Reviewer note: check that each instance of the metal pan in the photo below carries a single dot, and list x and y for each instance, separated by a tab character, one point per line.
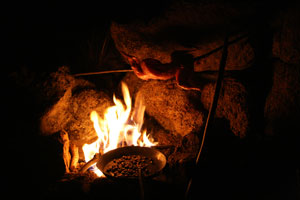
158	158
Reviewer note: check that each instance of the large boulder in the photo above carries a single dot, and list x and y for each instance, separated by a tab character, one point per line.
172	107
232	105
77	98
196	28
184	111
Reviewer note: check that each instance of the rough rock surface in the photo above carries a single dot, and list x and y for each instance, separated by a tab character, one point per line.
133	82
80	127
171	106
196	28
282	108
232	105
184	111
286	43
240	56
59	82
72	111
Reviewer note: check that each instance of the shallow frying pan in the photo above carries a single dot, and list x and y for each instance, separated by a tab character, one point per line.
158	158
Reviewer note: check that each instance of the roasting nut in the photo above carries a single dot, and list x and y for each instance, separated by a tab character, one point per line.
128	166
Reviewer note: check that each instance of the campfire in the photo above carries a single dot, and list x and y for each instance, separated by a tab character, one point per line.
149	85
121	126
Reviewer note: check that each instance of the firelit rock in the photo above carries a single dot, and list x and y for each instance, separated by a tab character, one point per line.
57	115
80	127
196	28
133	82
232	104
282	108
72	111
56	86
172	107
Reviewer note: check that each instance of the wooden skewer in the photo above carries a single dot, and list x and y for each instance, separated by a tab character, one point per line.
104	72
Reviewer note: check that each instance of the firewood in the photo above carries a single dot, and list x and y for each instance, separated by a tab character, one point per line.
75	157
66	145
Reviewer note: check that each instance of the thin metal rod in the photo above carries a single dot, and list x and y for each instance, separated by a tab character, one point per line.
103	72
212	109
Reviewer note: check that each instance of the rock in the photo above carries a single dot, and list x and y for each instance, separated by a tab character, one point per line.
240	56
80	127
172	107
282	107
196	28
133	83
59	82
286	40
232	104
57	116
77	98
181	111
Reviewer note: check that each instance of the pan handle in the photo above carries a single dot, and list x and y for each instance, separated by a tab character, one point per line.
90	163
142	195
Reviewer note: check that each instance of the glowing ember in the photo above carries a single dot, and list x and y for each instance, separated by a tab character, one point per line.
120	127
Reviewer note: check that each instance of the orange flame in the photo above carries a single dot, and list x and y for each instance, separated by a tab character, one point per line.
118	128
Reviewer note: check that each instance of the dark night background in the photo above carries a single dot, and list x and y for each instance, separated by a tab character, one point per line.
37	38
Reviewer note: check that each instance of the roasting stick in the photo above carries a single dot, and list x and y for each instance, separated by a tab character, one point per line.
104	72
212	109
